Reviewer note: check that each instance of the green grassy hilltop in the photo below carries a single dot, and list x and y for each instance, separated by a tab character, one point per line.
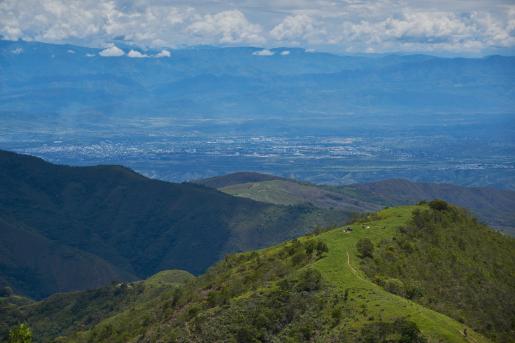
328	286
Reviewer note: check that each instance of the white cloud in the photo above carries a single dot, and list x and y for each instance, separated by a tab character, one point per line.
414	30
163	53
17	51
285	53
226	27
112	51
300	27
70	51
340	25
90	55
136	54
264	52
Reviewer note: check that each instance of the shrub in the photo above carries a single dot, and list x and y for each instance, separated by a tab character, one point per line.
409	332
310	280
310	246
20	334
365	247
439	205
321	247
395	286
390	332
299	257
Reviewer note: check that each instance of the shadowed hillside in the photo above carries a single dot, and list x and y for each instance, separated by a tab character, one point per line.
67	228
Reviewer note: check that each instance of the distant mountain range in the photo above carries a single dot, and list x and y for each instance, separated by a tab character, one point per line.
493	206
66	81
67	228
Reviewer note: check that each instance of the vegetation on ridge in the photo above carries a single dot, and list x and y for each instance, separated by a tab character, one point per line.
444	259
323	288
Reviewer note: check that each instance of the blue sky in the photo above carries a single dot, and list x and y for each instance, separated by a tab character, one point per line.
459	27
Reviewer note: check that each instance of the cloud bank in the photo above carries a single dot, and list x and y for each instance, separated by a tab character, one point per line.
460	27
112	51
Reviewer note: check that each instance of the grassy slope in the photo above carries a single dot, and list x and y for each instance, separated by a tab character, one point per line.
449	262
192	318
338	271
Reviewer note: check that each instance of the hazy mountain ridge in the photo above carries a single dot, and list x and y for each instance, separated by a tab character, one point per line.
317	82
494	206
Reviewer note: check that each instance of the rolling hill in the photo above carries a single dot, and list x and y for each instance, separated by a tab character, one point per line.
324	288
69	228
493	206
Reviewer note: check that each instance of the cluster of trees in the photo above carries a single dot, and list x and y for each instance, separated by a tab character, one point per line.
365	247
406	331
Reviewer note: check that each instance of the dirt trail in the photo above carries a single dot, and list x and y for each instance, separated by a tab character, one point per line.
354	271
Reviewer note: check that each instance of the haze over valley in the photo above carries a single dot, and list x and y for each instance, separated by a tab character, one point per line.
207	111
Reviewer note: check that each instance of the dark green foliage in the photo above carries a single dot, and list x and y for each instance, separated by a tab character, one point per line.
97	224
446	260
6	292
322	248
301	252
309	280
64	313
392	285
365	247
20	334
399	331
438	205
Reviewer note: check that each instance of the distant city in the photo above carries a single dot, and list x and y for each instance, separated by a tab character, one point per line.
189	153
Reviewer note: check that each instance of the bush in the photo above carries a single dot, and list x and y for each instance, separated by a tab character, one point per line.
299	257
310	280
401	331
395	286
439	205
20	334
365	247
409	332
310	246
321	247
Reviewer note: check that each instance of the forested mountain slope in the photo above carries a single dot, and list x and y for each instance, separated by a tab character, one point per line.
67	228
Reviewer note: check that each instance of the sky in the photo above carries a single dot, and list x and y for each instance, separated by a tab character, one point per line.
459	27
